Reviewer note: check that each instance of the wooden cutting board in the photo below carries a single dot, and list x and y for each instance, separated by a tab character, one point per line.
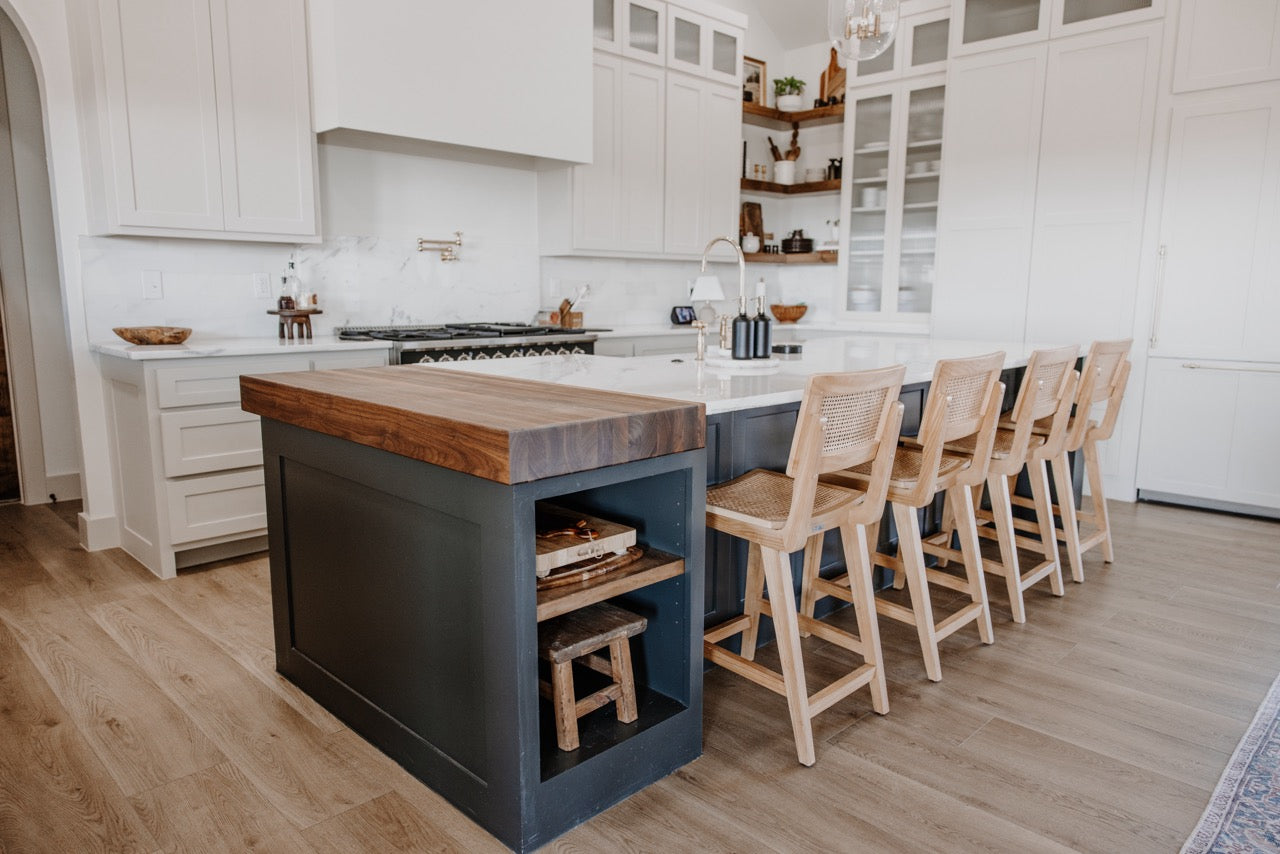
564	549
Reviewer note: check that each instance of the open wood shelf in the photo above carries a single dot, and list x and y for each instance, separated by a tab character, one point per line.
750	185
655	566
826	256
755	114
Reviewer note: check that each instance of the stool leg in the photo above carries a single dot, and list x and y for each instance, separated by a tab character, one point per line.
857	557
912	556
281	328
1093	468
751	601
565	705
1002	512
782	602
1038	474
812	563
620	659
1067	509
947	524
967	528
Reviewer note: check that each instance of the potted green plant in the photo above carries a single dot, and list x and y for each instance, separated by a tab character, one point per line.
788	93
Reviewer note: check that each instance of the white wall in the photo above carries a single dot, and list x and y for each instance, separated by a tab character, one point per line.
52	402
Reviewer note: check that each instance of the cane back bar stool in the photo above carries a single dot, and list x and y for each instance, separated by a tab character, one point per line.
1045	397
1102	380
964	400
844	420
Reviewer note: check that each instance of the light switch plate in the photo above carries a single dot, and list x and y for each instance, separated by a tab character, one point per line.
261	286
152	284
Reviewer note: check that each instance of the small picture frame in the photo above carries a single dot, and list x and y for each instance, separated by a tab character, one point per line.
683	315
753	79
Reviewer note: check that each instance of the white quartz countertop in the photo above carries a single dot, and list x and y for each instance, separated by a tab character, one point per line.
658	329
196	347
681	377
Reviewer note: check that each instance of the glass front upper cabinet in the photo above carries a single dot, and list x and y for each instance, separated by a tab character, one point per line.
918	232
919	48
869	199
990	24
644	30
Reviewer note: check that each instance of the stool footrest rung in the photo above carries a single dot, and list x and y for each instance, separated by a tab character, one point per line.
734	663
831	634
956	621
1036	573
727	629
951	582
822	700
894	611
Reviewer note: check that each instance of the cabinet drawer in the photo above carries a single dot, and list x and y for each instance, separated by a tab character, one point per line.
216	506
206	440
196	385
358	359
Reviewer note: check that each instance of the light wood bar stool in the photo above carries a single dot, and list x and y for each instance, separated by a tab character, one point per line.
1045	397
576	636
1102	381
844	420
964	400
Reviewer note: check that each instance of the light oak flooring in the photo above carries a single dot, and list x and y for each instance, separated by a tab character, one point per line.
140	715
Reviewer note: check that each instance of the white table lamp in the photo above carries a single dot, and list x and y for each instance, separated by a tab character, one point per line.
706	290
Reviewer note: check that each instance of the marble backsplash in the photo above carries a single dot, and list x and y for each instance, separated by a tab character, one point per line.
208	285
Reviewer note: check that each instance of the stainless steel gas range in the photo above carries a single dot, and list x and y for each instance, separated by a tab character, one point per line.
462	342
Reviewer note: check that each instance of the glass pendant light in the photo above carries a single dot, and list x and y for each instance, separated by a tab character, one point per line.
862	29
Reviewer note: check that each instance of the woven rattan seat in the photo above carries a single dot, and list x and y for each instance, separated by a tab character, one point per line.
963	403
844	420
766	496
1001	450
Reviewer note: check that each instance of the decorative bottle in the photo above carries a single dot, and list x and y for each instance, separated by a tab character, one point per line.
743	345
761	328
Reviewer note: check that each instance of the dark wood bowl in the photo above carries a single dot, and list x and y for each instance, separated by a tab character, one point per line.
788	313
153	334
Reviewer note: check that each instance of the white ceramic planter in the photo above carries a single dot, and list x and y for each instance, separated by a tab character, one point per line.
790	103
784	172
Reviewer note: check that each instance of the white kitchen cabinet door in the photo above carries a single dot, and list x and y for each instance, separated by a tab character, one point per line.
1091	194
264	116
1207	433
1218	229
595	185
161	115
606	24
644	30
1075	17
703	139
987	197
1226	43
983	25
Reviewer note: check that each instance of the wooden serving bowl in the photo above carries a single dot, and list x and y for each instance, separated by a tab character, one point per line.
788	313
153	334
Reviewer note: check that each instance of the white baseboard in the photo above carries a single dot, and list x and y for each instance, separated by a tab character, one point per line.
65	486
99	533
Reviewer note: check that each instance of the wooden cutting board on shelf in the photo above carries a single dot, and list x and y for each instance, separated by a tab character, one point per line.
562	539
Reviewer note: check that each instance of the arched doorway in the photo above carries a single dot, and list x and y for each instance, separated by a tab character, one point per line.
38	442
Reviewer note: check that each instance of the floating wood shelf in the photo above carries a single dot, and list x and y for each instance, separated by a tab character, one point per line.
826	256
752	186
655	566
755	114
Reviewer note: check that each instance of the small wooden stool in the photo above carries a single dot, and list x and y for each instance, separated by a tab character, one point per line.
576	635
295	318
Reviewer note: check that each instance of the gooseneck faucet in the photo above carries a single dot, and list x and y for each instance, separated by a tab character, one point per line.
742	269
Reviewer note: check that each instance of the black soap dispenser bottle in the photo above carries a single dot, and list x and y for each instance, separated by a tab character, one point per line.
761	328
743	345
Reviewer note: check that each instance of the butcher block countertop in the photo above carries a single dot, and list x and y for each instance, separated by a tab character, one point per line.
499	428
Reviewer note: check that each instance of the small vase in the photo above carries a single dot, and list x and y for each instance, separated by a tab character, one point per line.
784	172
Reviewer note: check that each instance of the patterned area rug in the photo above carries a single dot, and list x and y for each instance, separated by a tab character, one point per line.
1244	813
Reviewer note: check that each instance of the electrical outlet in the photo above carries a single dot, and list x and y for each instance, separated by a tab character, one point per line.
261	286
152	284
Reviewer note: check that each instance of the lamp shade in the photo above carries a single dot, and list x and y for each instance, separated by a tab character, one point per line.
706	287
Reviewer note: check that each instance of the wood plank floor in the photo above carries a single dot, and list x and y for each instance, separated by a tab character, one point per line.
140	715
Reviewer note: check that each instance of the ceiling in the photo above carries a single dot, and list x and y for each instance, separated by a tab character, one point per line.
795	23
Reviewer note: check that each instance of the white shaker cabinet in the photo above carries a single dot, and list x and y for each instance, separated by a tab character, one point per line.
988	193
1208	434
188	459
204	117
1218	288
703	134
1226	43
1095	155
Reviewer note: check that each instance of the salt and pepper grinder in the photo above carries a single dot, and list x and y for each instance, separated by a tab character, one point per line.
761	328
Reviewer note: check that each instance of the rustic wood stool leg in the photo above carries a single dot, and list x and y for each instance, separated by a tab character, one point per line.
782	602
857	557
281	327
565	705
1067	510
946	525
1093	468
1038	473
911	554
966	527
812	563
620	658
1002	512
751	601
